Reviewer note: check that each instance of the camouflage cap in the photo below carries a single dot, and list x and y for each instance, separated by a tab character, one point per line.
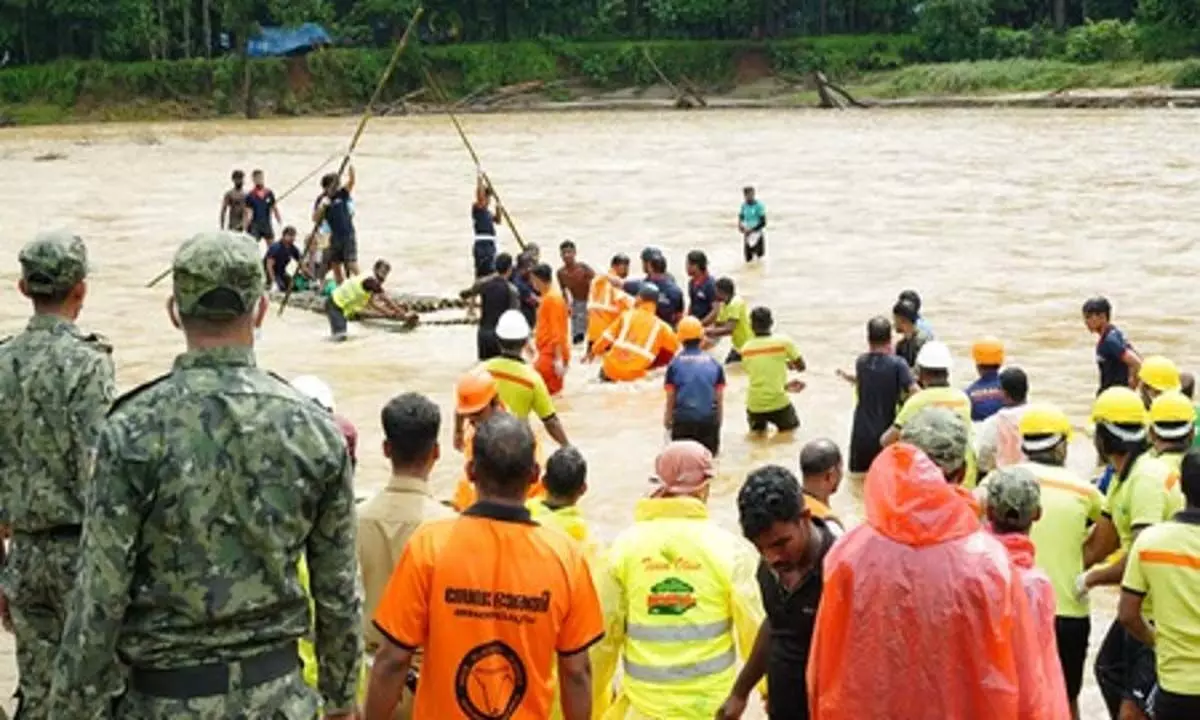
217	275
941	434
53	262
1013	495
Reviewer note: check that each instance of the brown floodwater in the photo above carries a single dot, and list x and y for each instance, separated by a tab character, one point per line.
1004	221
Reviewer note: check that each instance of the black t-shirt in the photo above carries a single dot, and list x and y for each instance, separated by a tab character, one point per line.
909	347
1110	353
282	255
882	379
793	616
341	225
496	295
260	203
485	224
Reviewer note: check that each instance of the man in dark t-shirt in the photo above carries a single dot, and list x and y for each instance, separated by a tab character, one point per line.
1117	360
702	289
279	256
882	380
497	295
793	545
260	208
333	207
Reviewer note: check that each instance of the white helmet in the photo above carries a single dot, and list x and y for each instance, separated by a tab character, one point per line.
315	388
935	355
512	326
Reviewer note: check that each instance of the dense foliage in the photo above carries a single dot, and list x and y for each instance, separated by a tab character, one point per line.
37	31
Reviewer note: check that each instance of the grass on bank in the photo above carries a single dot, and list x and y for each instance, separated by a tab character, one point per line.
993	77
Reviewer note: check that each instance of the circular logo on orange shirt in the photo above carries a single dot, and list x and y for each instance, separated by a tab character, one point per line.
490	682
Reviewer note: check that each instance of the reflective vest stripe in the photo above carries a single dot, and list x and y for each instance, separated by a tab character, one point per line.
678	633
607	300
643	351
675	673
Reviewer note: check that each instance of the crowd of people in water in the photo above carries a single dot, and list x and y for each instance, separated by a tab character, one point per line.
193	548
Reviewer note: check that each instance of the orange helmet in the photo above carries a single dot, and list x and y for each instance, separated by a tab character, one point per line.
988	351
690	329
475	391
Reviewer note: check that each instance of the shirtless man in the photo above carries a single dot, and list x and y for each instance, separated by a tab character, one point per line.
575	279
233	205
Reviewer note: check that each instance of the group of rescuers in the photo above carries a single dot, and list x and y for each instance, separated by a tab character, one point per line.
175	552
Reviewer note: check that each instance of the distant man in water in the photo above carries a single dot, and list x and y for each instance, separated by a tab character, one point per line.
279	256
1118	361
260	208
497	294
334	207
752	223
484	220
575	279
233	205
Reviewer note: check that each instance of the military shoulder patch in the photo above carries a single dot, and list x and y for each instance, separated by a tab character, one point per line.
99	342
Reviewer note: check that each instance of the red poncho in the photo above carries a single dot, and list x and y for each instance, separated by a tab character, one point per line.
921	611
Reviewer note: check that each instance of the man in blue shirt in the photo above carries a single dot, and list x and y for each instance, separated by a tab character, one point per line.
702	289
670	297
752	223
334	208
279	256
987	397
525	291
260	207
695	385
1118	361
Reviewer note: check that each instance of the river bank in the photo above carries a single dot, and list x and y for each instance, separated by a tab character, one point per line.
873	70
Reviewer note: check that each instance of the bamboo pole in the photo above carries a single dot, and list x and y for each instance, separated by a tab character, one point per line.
362	125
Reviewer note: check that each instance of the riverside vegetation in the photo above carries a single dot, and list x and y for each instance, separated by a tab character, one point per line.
154	58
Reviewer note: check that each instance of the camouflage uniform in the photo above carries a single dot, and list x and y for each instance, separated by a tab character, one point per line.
56	384
210	483
1013	494
941	434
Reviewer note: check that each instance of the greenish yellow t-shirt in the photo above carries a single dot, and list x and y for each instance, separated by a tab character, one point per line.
955	400
1143	498
1164	564
520	388
1068	505
766	362
1175	499
737	311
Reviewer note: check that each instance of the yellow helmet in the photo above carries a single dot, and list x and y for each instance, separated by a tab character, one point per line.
1044	419
1119	406
1159	373
1172	409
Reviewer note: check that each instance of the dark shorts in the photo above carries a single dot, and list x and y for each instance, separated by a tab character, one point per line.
758	249
783	419
705	432
487	345
342	250
1072	636
1125	670
484	252
261	231
1173	706
337	320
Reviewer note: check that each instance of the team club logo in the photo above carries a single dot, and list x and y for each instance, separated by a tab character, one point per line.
490	682
670	597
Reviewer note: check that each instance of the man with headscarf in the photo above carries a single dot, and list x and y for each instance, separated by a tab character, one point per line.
681	589
922	547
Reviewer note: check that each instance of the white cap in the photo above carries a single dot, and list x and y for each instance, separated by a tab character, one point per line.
512	326
935	355
315	388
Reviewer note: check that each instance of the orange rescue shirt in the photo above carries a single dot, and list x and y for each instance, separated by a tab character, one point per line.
491	597
606	301
637	338
552	328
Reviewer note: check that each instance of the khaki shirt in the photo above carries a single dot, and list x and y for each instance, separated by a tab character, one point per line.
385	523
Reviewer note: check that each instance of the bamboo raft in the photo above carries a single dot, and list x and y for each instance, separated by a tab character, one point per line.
433	310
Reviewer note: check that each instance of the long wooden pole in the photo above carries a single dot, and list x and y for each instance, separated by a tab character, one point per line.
437	89
362	125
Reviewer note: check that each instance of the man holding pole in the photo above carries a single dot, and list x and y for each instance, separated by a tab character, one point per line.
485	222
334	208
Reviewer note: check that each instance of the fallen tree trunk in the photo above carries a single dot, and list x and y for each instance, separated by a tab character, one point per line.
834	96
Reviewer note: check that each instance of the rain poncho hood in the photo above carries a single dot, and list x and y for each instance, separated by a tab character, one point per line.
921	608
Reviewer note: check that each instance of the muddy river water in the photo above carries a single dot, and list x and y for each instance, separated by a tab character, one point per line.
1004	221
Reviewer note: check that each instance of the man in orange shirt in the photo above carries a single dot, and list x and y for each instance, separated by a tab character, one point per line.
639	340
607	298
491	597
551	336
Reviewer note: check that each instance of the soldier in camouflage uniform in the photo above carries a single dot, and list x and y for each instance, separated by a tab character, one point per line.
210	483
56	384
942	435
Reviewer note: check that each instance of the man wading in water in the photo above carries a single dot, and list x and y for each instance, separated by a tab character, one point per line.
233	205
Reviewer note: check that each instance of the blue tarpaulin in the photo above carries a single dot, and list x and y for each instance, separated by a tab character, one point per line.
277	41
